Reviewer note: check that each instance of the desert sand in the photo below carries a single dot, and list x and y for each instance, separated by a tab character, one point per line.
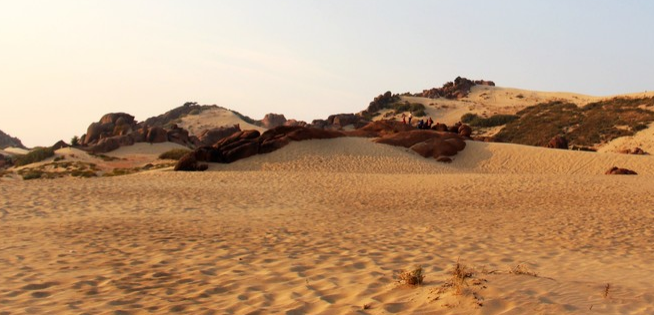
324	226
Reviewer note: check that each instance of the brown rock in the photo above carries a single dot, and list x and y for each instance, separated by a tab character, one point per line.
465	131
273	120
189	163
558	142
156	135
380	128
427	143
211	136
444	159
620	171
60	144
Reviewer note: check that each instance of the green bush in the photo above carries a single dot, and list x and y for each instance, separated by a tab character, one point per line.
36	155
174	154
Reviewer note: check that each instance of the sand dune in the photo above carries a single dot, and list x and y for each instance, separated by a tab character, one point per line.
322	227
213	118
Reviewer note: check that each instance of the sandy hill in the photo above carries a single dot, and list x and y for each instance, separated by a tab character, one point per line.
213	118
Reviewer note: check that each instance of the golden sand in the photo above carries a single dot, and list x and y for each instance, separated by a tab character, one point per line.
323	227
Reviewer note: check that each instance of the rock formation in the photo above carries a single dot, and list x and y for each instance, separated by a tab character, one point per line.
273	120
634	151
247	143
427	143
454	90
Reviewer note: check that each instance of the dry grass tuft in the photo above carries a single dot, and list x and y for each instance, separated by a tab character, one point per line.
606	290
411	277
458	282
367	306
521	269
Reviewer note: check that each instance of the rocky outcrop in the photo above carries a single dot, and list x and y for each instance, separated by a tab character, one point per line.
558	142
110	125
273	120
460	88
60	145
380	102
7	141
247	143
620	171
211	136
341	120
427	143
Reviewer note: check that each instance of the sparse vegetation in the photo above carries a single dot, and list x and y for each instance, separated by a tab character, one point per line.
595	123
106	158
606	290
475	120
521	269
32	174
416	109
34	156
458	282
411	277
74	141
174	154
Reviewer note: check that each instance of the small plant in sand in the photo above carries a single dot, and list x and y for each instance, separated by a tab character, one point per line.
411	277
459	275
606	290
521	269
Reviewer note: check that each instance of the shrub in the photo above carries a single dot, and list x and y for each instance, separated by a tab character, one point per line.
411	277
475	120
32	174
34	156
174	154
74	141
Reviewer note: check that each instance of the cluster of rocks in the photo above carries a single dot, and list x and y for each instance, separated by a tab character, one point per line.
119	129
275	120
620	171
340	121
454	90
243	144
380	102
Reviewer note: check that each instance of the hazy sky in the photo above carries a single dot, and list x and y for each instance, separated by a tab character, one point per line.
65	63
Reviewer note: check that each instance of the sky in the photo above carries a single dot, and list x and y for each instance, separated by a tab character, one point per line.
65	63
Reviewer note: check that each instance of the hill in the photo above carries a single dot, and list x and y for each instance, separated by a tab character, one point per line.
7	141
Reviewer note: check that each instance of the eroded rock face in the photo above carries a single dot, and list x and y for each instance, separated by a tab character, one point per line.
620	171
273	120
558	142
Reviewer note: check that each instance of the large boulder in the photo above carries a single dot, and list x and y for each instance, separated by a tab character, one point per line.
189	163
465	131
211	136
558	142
117	119
111	143
156	135
110	125
179	135
273	120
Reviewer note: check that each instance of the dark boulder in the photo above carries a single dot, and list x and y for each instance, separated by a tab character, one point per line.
465	131
427	143
380	128
189	163
558	142
620	171
211	136
156	135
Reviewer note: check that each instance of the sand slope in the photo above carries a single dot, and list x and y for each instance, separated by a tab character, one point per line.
288	233
213	118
